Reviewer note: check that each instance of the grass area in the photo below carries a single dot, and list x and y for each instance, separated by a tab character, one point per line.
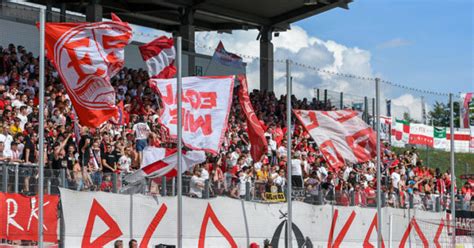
464	162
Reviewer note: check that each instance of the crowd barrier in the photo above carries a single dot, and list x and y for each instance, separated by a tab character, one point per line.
22	178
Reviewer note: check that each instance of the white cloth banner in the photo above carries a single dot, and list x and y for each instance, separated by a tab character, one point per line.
341	135
421	134
206	105
225	222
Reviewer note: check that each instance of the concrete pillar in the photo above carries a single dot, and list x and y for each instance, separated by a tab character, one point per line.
187	31
94	11
266	59
62	16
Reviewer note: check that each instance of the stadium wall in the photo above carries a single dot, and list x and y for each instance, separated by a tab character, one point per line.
225	222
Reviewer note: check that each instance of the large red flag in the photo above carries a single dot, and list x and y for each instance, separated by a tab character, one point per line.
254	128
159	56
86	56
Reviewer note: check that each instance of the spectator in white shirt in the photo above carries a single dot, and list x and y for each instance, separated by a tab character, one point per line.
296	170
196	184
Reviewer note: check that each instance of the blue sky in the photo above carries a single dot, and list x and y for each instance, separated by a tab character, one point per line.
426	44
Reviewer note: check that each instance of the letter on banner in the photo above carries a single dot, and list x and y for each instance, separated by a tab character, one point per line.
206	106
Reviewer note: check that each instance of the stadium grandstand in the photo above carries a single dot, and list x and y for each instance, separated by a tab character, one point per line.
230	198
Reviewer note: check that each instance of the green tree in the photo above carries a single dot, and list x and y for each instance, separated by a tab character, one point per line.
440	114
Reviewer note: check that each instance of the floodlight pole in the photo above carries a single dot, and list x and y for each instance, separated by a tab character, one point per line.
379	188
180	142
453	176
289	223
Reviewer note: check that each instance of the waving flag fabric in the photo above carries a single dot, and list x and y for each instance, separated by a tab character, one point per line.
206	106
226	58
341	135
256	133
159	56
86	56
158	162
466	99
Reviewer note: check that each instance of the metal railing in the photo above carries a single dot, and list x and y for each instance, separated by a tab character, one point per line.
23	178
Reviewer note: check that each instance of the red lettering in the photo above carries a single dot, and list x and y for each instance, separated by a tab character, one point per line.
168	99
111	234
413	223
194	98
204	123
367	244
208	100
209	214
153	225
438	234
342	233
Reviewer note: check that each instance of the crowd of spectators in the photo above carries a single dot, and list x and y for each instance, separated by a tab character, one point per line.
91	157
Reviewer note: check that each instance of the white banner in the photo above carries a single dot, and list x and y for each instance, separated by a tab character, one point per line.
206	105
341	135
421	134
224	222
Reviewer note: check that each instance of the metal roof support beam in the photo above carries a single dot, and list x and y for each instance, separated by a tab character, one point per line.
266	59
187	31
94	11
49	11
62	13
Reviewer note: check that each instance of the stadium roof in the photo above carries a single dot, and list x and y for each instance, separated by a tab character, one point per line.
217	15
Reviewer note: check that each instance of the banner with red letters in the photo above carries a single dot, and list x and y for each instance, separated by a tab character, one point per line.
341	135
86	56
206	106
224	222
19	217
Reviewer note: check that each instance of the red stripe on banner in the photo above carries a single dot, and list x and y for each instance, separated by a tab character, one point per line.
367	243
406	128
154	167
155	47
333	225
153	225
438	234
209	214
167	72
459	137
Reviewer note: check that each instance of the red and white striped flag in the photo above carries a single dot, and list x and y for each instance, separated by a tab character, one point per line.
159	56
158	162
341	135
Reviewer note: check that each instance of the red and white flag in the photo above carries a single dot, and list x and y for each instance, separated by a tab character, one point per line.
256	133
226	58
86	56
206	106
341	135
158	162
421	134
159	56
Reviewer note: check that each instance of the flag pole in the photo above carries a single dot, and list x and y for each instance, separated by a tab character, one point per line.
179	132
379	193
289	223
41	130
453	177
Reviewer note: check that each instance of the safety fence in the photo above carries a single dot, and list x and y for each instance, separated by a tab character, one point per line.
22	178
